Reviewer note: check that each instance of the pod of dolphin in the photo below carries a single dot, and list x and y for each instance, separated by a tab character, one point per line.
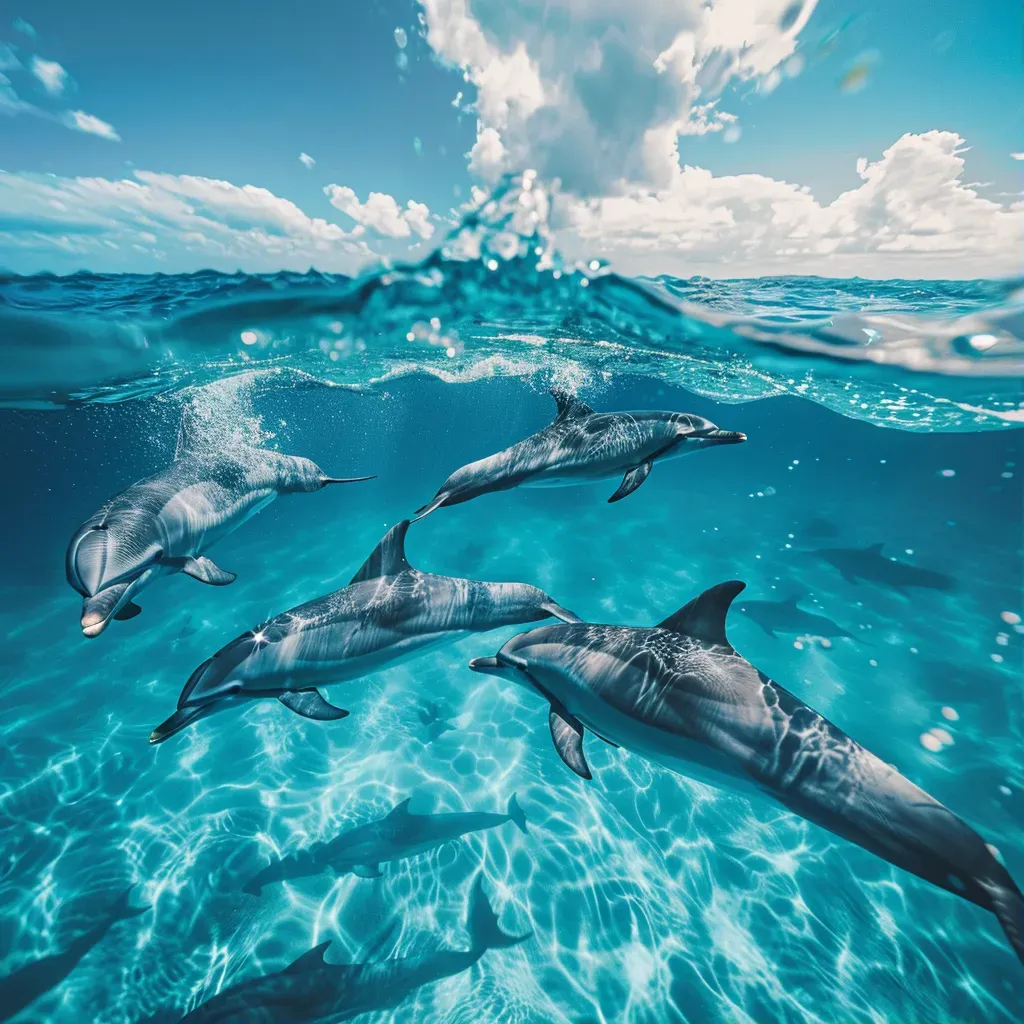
677	693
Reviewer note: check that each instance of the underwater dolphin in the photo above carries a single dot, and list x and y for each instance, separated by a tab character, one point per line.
433	721
680	695
399	835
37	977
163	524
313	990
388	613
787	617
856	564
581	446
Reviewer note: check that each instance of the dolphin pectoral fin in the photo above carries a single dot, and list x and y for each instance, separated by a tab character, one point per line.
632	480
560	613
311	704
205	571
129	611
567	732
366	870
436	502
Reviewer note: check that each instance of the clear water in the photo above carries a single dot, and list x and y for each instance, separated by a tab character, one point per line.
652	898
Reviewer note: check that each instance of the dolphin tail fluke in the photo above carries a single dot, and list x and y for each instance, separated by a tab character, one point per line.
1008	906
515	812
484	931
123	909
347	479
436	502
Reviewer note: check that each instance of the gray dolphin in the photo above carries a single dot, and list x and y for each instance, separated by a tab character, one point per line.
856	564
787	617
397	836
37	977
680	695
313	990
581	446
388	613
163	524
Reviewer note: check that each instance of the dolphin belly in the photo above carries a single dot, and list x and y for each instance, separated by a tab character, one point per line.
196	517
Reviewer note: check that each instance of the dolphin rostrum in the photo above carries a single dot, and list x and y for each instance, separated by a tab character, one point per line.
856	564
397	836
581	446
36	978
680	695
788	617
313	990
164	523
388	613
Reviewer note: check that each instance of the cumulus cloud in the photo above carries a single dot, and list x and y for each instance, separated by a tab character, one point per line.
307	161
175	221
596	93
55	80
381	213
911	215
83	122
52	76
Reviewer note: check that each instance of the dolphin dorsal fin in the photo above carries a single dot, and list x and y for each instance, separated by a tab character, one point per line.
704	617
400	810
388	557
309	960
875	549
192	433
569	405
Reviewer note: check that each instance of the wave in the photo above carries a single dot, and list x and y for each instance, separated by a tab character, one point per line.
497	299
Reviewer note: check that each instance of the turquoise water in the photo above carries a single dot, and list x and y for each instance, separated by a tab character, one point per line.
650	897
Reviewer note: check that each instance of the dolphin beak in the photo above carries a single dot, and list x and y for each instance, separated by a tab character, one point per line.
93	624
717	436
178	721
489	666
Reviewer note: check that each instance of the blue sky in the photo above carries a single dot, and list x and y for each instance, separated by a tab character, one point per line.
234	92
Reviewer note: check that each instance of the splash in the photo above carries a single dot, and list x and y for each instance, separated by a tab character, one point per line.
496	299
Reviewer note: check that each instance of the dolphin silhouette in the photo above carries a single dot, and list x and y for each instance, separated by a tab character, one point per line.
399	835
163	524
581	446
787	617
311	989
680	695
36	978
388	613
870	565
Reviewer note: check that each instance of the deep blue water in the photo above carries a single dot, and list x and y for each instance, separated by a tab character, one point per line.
651	898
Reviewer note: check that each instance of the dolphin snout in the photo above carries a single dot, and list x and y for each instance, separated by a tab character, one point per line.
717	436
498	665
179	720
93	623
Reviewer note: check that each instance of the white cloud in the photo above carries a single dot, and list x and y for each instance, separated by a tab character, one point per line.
910	216
174	221
307	161
1017	156
488	158
83	122
52	76
595	93
381	213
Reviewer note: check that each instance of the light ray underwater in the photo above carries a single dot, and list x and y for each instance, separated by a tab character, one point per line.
535	721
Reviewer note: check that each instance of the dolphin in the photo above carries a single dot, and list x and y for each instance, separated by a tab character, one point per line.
311	989
433	721
580	446
38	977
399	835
787	617
163	524
388	613
680	695
856	564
